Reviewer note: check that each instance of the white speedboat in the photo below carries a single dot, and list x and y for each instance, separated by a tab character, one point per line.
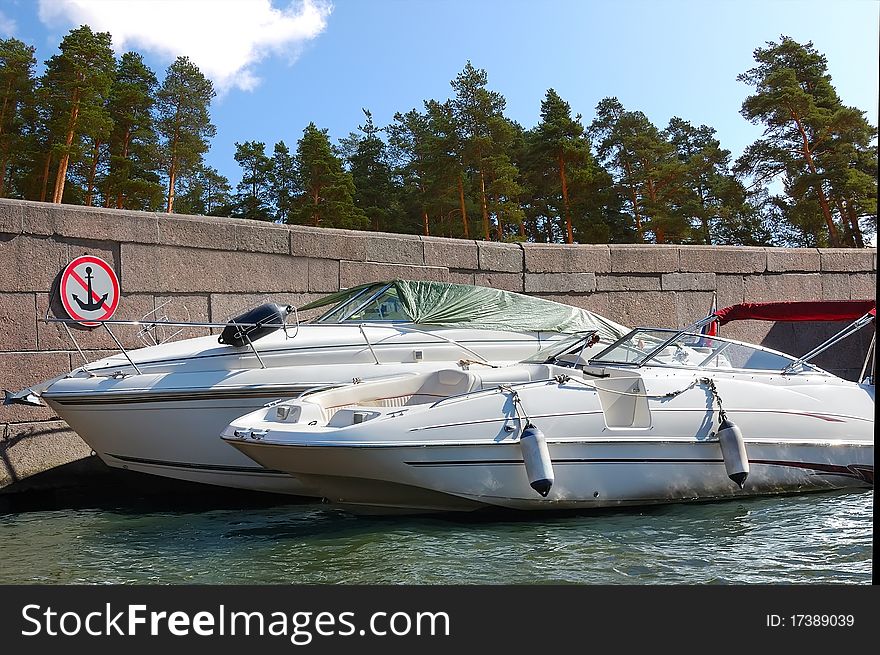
159	409
659	416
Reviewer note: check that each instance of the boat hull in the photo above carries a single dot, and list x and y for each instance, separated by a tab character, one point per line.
590	473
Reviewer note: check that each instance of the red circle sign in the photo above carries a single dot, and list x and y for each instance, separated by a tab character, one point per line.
89	290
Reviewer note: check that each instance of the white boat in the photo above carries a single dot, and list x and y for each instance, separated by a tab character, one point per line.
659	416
159	409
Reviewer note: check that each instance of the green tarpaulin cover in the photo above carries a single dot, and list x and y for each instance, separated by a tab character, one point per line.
463	305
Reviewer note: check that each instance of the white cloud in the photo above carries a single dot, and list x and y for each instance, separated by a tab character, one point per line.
224	38
7	25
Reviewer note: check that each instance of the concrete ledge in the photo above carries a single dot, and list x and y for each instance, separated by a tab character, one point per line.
792	259
723	259
323	243
848	260
644	259
397	249
228	234
11	217
557	258
451	253
30	448
503	257
91	223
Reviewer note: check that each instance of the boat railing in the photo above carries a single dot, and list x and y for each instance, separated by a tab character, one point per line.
149	325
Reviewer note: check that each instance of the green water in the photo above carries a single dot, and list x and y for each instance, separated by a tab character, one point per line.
818	538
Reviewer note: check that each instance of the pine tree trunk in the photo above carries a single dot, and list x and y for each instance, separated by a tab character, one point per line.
848	236
46	176
120	197
90	184
820	192
172	178
854	224
4	162
635	202
425	223
569	234
483	206
5	105
464	219
61	176
316	198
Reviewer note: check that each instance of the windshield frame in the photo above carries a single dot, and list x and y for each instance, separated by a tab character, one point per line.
559	347
649	357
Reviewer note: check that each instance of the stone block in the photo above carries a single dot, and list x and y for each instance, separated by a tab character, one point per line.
835	286
564	258
18	316
354	273
328	244
20	370
688	281
780	260
863	286
323	275
31	263
722	259
502	257
96	223
32	448
644	259
503	281
451	253
730	290
785	286
11	216
461	278
642	308
394	249
223	234
173	269
592	302
847	260
691	306
628	283
560	282
106	250
53	336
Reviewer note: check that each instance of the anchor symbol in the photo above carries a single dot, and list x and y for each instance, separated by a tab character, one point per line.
90	306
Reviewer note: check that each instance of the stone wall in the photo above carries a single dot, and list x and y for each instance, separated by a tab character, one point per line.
209	269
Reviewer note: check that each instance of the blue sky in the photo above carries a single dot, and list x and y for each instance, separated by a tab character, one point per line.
281	65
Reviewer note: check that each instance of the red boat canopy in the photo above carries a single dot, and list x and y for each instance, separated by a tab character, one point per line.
827	310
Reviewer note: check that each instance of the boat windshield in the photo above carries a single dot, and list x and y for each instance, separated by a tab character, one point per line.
659	347
573	344
376	303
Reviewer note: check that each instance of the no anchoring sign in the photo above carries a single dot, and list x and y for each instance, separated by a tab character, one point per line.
89	290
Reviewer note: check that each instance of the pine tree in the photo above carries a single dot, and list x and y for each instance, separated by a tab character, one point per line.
16	94
254	190
132	180
205	191
809	138
184	122
326	190
282	182
76	86
367	159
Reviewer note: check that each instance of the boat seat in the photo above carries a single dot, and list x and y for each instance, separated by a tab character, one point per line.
442	384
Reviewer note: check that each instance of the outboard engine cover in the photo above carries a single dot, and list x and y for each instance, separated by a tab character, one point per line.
733	450
264	320
536	456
